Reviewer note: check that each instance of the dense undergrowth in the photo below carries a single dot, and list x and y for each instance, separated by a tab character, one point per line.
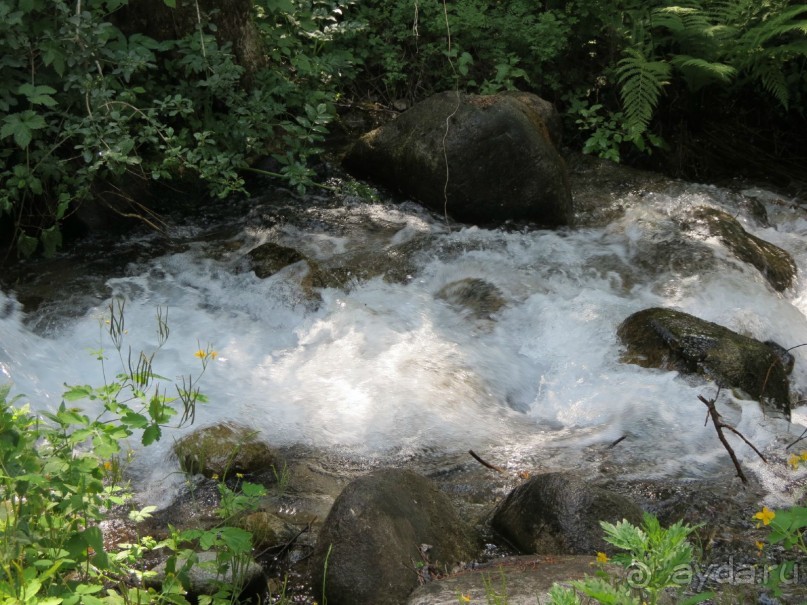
94	109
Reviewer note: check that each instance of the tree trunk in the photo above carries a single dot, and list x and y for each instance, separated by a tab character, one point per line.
233	20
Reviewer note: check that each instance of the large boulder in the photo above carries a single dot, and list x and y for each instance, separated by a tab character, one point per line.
485	159
383	528
776	265
674	340
558	513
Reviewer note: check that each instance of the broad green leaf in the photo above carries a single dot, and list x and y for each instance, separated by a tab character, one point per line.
151	434
51	240
78	392
237	540
21	126
26	245
38	95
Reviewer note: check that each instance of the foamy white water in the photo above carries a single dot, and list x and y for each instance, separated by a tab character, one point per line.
389	369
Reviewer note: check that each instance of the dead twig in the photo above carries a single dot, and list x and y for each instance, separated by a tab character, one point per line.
486	464
719	426
616	442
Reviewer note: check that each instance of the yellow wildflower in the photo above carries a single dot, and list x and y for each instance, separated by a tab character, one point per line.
602	557
107	465
201	354
213	354
766	515
465	598
803	456
215	477
793	460
760	545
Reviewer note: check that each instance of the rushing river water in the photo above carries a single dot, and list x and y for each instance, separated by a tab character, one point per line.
386	365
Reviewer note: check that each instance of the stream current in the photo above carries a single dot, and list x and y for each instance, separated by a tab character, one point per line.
383	365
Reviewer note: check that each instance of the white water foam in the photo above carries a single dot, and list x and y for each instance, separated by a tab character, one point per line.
389	369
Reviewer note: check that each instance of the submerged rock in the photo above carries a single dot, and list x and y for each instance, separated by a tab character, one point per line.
500	150
269	258
268	530
225	449
776	265
383	528
475	296
558	513
673	340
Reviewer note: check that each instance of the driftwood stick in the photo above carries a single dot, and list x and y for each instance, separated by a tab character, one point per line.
486	464
719	426
801	438
741	436
710	404
616	442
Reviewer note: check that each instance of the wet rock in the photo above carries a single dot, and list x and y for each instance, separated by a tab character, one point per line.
476	296
203	574
776	265
269	258
503	164
673	340
522	580
268	530
225	450
382	529
558	513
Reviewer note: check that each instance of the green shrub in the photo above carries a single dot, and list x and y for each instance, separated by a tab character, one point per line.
654	559
89	108
61	476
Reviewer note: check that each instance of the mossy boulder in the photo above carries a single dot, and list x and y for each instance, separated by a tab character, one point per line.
776	265
500	150
226	449
674	340
380	528
559	513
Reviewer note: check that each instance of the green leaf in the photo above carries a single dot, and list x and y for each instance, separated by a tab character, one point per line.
134	420
208	539
151	434
26	245
51	240
95	539
170	3
78	392
21	126
237	540
38	95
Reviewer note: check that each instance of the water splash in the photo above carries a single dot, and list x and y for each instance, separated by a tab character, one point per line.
385	367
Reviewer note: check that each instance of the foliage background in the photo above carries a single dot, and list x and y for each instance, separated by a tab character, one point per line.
97	106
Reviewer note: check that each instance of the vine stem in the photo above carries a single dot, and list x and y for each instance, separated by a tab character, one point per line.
451	115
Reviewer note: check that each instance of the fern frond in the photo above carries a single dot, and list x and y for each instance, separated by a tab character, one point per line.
641	82
699	72
668	19
779	25
728	12
774	82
